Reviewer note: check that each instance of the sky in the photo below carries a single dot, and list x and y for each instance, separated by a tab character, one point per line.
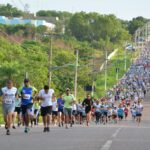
123	9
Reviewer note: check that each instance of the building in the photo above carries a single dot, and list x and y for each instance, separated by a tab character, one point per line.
20	21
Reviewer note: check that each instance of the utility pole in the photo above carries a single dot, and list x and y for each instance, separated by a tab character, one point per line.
76	74
93	75
106	55
117	68
125	59
50	52
26	75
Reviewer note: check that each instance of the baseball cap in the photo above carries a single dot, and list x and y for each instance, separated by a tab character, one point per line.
26	80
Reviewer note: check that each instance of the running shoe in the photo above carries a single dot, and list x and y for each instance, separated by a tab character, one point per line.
8	132
67	127
48	129
13	127
45	129
26	130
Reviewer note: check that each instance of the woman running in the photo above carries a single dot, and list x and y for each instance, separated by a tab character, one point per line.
88	103
139	109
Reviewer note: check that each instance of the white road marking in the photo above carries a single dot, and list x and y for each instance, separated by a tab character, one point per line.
116	133
107	145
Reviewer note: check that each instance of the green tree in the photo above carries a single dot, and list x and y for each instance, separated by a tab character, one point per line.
9	11
135	23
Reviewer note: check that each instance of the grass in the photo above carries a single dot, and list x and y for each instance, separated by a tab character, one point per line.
1	115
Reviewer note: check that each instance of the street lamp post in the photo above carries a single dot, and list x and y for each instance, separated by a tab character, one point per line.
76	74
106	55
117	67
125	60
50	52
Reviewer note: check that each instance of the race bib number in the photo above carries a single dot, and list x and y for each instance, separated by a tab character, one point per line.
26	96
8	100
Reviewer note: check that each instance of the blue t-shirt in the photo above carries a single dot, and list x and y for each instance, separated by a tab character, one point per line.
60	103
120	112
27	95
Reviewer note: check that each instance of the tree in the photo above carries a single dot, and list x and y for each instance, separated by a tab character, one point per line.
135	23
92	27
10	11
52	13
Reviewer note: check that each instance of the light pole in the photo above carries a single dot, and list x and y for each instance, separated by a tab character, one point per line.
125	60
26	75
117	68
50	52
76	74
106	55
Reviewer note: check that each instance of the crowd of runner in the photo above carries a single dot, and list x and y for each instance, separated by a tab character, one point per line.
27	104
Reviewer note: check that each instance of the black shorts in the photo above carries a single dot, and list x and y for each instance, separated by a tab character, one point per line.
74	112
18	110
87	109
61	110
54	113
105	113
25	108
35	111
46	110
139	115
79	113
120	116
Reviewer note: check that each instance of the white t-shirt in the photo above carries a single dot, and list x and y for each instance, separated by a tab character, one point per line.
74	107
97	107
79	107
9	95
139	108
47	98
55	106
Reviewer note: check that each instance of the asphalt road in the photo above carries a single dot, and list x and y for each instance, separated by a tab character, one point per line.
123	136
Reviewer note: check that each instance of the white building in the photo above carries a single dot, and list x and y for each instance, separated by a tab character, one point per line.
16	21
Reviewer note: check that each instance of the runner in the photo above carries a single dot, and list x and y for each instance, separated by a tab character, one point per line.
133	112
97	112
120	112
79	111
88	103
74	113
126	110
139	109
26	92
46	96
17	112
60	104
68	101
9	94
36	111
114	114
54	111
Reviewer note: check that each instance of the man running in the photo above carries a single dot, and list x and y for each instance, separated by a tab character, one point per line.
46	96
9	94
26	92
60	104
17	112
68	101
